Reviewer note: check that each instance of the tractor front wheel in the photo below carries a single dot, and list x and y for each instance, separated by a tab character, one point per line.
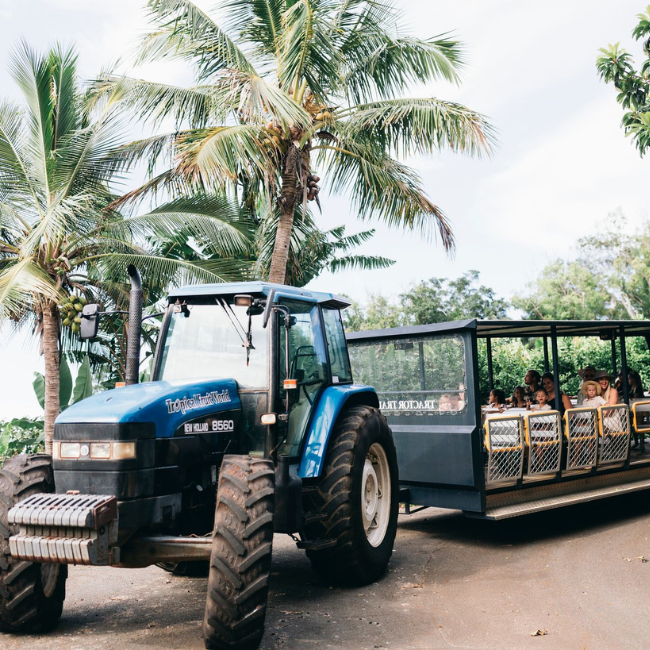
358	494
240	563
31	593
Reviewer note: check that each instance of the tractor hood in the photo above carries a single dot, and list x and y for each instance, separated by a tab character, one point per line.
167	404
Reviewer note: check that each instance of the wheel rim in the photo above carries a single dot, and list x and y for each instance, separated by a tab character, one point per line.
49	575
375	494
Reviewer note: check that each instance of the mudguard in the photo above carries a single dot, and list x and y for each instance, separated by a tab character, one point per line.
332	401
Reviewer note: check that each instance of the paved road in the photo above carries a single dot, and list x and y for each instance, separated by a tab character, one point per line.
575	574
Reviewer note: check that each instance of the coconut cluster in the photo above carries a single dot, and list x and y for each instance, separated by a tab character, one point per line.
71	312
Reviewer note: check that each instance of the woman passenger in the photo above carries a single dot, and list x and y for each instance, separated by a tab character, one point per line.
548	382
635	390
608	392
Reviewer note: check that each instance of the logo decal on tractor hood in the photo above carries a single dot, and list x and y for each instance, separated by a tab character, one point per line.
197	402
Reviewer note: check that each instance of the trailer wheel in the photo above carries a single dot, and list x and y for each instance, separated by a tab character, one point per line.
240	564
359	494
31	593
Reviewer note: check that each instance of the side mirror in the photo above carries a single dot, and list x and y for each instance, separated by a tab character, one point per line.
89	322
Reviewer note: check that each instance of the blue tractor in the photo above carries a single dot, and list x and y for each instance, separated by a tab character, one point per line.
251	426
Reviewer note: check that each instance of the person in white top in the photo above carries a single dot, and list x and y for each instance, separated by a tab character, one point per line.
591	391
542	402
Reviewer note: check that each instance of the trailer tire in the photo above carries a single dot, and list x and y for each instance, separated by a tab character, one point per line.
31	593
359	475
240	563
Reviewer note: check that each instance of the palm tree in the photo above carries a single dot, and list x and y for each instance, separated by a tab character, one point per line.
58	232
284	87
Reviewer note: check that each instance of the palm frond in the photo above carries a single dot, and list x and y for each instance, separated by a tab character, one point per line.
223	153
69	214
32	74
251	98
360	263
19	282
381	187
377	65
164	271
157	101
307	48
257	21
417	126
182	23
214	220
15	176
66	109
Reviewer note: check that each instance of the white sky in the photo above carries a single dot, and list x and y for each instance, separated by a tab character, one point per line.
561	166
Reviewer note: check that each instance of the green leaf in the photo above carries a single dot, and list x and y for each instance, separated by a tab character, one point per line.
39	388
65	384
84	385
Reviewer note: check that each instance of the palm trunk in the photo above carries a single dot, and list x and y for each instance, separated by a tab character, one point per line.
51	354
287	202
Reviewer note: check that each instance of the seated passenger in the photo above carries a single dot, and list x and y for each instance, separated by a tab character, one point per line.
561	405
591	394
542	402
497	399
445	403
635	390
607	391
518	400
533	381
588	373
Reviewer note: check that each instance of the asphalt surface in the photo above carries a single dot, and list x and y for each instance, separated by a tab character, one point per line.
576	575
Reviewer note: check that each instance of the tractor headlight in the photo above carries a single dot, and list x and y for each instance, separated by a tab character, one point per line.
100	450
123	450
70	450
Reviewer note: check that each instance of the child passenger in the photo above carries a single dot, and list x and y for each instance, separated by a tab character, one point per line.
542	402
591	391
497	399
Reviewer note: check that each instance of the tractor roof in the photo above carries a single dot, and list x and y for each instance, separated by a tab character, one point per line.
231	288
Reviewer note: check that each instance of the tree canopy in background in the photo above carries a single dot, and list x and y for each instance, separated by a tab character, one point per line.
616	66
608	279
432	301
284	88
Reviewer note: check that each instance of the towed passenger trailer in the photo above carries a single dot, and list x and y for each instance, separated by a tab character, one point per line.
510	464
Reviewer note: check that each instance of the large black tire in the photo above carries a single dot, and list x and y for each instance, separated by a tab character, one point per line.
360	437
31	594
240	564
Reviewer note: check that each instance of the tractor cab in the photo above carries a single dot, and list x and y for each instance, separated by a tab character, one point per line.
283	346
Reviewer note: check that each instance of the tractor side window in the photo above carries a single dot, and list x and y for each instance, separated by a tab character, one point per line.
307	364
336	346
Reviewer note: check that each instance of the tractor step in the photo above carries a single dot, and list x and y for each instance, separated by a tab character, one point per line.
316	544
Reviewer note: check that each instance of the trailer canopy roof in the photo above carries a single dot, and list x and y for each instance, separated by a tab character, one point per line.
605	329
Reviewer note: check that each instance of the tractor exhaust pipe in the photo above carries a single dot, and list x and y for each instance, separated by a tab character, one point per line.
135	327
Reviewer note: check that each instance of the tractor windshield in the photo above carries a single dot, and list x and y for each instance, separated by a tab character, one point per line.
205	341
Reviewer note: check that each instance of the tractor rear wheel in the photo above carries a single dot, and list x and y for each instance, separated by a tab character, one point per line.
31	593
359	495
240	564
